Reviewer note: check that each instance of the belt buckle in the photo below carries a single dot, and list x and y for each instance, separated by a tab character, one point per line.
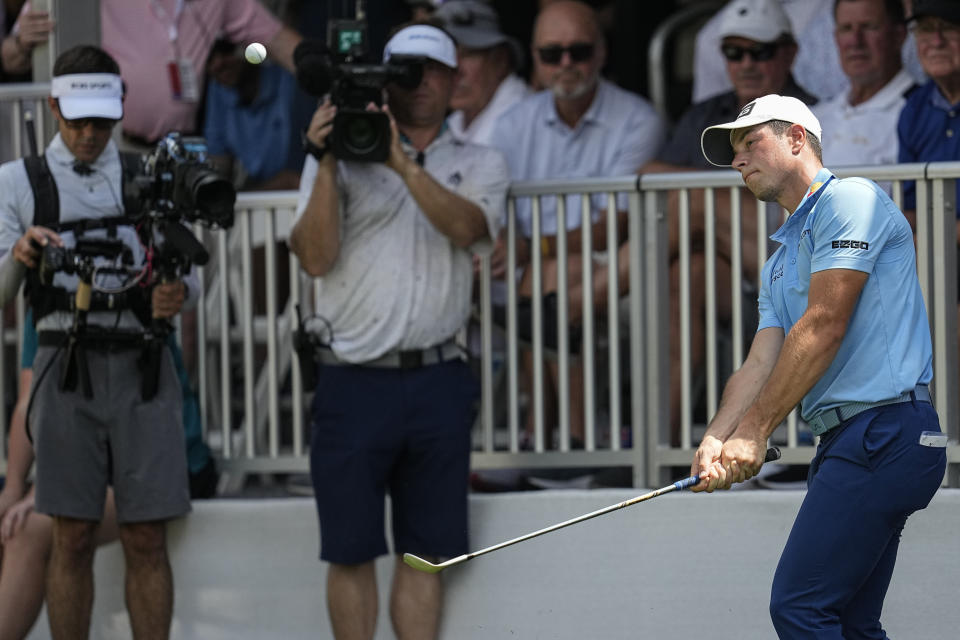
411	359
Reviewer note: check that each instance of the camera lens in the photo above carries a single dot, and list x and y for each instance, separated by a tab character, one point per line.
361	135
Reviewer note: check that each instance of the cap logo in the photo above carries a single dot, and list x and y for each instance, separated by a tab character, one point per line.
747	109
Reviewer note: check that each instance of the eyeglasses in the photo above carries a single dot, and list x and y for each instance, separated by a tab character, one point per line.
758	52
100	124
926	28
579	52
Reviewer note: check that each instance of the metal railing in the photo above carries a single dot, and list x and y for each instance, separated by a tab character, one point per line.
254	405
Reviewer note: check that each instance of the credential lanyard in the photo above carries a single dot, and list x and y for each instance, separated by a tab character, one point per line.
173	24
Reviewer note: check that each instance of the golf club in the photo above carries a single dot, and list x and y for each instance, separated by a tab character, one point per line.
773	453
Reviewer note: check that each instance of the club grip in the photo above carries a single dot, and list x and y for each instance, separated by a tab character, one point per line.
773	453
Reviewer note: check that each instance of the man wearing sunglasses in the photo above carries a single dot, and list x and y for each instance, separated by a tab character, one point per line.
98	429
580	126
758	48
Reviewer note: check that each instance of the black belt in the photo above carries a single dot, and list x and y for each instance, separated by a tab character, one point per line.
97	339
412	359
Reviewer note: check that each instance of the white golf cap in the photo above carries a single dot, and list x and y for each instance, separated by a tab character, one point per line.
758	20
89	95
425	41
715	140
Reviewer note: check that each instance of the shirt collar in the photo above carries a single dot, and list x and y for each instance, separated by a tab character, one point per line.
442	136
806	204
889	95
592	116
62	155
938	100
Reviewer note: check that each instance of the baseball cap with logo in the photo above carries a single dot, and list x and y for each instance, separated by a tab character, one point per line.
715	140
949	10
422	40
475	25
757	20
88	95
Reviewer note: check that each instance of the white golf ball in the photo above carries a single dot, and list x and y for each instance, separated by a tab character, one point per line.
255	53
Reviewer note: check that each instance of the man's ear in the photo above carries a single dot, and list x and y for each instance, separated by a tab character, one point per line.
54	107
798	137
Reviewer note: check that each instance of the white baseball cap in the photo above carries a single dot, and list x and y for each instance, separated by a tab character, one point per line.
89	95
757	20
425	41
715	140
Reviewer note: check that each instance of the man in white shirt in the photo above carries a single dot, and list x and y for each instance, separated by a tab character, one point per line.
860	125
487	83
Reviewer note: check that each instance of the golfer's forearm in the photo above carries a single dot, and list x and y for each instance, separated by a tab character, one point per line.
738	395
807	352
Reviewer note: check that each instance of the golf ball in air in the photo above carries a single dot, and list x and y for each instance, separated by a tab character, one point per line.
255	53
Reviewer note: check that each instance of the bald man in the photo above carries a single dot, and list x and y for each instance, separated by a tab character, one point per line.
579	126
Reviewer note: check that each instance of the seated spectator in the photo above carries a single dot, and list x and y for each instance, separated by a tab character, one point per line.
759	48
860	125
580	126
930	120
249	127
817	66
487	83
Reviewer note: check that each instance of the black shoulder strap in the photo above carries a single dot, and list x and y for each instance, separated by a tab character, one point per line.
131	165
46	197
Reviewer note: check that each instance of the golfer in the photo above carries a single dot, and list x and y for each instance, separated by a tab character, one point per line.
843	331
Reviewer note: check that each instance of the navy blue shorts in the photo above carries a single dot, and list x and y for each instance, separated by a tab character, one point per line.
868	476
406	432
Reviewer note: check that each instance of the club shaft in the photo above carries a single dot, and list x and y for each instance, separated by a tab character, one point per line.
773	453
578	519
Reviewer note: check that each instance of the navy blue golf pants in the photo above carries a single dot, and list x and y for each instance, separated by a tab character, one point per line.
868	476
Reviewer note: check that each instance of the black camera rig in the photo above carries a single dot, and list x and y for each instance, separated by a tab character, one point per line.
342	68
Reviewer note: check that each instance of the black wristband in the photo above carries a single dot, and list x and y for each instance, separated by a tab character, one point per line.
309	147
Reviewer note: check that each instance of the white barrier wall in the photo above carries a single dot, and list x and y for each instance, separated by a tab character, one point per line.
679	566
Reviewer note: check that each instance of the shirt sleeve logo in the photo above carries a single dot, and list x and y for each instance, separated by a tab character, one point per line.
862	245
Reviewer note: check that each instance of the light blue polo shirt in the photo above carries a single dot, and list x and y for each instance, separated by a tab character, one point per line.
853	224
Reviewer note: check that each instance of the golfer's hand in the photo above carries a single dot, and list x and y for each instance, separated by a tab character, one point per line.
742	458
706	464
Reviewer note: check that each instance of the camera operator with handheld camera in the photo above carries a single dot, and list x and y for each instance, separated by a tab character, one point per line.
106	404
390	240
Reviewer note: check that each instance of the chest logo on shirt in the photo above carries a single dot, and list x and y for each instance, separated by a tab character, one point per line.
850	244
777	274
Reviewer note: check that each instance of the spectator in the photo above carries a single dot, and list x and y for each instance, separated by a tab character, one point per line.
27	536
487	82
580	126
30	30
162	47
759	48
817	66
108	430
930	120
389	244
860	126
249	125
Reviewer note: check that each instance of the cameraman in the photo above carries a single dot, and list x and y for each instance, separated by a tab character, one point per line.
394	401
103	427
